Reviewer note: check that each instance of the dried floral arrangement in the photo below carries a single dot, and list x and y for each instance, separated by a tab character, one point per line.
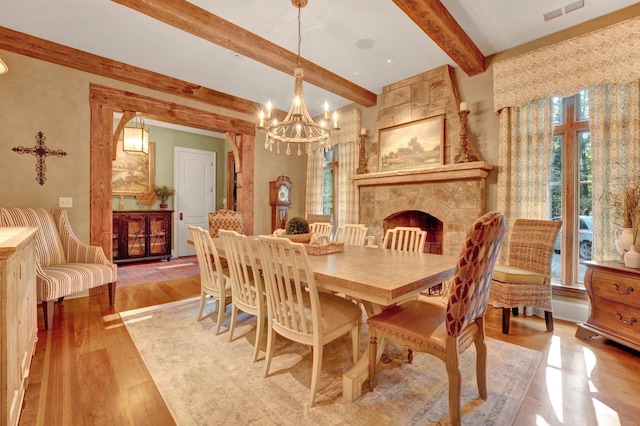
624	199
147	198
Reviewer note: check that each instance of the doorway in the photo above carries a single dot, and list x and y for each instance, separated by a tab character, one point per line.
195	183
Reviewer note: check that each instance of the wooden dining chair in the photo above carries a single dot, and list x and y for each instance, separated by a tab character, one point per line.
405	238
297	310
446	330
322	228
525	281
213	281
352	234
247	290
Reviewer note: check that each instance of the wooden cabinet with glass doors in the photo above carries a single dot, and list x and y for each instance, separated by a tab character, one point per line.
140	236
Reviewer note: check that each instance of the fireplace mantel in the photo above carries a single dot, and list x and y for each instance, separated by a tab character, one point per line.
448	172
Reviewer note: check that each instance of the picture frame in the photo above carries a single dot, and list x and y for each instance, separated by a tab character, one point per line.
133	173
413	145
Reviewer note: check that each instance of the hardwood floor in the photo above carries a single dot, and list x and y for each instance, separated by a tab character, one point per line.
86	371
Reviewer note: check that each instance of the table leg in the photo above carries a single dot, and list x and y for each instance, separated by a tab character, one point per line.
354	379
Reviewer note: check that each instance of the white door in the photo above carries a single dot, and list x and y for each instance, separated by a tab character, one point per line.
194	179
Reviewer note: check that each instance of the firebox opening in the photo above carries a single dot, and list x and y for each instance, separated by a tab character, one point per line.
421	220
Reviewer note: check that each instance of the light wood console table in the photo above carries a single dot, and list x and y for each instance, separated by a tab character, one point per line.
614	294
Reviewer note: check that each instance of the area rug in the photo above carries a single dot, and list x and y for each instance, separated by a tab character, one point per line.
204	379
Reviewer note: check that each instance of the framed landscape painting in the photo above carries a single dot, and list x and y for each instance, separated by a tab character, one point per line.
133	173
418	144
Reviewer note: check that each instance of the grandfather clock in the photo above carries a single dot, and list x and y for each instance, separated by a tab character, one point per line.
279	192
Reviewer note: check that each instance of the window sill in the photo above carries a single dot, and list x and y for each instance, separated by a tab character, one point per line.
575	292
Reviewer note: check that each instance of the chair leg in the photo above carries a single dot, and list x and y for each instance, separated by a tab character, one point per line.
60	300
271	340
548	319
203	297
232	321
455	379
259	338
481	360
112	293
506	316
47	310
222	307
515	311
315	372
373	350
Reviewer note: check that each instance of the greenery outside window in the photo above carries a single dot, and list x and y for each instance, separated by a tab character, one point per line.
330	181
571	196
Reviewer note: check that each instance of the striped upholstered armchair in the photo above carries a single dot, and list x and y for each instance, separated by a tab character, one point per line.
64	265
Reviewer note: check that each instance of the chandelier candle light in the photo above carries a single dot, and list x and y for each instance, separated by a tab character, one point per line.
298	126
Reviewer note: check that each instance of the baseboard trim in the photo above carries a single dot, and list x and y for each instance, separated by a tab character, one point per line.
577	311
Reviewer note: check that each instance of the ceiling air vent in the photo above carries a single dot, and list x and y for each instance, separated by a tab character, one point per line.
552	15
567	9
574	6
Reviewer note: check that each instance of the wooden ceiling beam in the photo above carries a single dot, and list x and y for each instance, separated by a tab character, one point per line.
24	44
436	21
201	23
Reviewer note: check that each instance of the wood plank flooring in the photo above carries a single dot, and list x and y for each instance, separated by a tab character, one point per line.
87	371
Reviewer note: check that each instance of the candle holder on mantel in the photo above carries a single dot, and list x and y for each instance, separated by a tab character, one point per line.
362	166
465	155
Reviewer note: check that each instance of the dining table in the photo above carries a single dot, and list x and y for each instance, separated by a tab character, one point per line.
378	278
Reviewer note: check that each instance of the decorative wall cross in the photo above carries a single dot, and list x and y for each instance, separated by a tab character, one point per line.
40	151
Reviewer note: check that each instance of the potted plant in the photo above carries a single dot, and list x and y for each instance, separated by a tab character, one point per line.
297	230
163	193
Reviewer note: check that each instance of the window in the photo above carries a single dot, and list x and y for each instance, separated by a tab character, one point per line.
570	186
330	181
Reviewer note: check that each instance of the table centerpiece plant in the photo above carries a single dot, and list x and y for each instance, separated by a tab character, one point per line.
297	230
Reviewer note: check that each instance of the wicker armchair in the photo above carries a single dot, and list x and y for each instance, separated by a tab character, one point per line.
225	219
526	279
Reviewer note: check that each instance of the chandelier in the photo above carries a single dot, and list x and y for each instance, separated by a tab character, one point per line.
297	127
136	137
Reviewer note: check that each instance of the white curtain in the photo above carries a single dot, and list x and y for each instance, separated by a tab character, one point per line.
347	139
614	124
315	161
524	162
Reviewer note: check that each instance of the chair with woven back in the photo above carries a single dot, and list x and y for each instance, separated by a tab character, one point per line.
405	238
312	218
448	329
64	265
525	281
225	219
247	290
352	234
214	282
297	310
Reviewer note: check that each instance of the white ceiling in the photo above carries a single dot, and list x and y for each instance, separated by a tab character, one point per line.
355	39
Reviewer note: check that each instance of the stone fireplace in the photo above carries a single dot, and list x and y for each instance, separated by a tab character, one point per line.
452	194
445	199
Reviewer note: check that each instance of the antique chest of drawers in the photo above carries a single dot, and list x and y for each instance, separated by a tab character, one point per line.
614	293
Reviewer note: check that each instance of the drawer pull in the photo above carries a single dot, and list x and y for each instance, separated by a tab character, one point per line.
626	292
631	322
